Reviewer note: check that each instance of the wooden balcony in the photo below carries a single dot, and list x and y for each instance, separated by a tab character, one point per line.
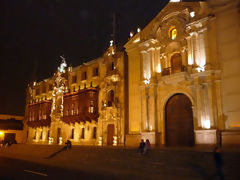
39	123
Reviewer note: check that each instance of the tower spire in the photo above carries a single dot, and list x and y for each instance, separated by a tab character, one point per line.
113	26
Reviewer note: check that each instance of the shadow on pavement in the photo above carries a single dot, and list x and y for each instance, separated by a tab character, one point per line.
54	154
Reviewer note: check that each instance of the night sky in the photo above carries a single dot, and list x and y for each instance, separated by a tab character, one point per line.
34	33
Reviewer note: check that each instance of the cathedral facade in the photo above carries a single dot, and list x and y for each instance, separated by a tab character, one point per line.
178	85
175	64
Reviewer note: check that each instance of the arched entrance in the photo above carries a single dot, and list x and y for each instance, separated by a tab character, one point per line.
176	63
179	121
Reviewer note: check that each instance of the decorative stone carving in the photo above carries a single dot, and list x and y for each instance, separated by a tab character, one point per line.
58	91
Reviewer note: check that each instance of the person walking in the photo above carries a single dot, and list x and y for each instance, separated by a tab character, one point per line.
141	146
147	146
68	144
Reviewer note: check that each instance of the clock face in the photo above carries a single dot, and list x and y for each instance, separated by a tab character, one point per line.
172	33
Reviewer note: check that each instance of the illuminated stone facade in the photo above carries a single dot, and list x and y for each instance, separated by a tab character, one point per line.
83	104
181	58
178	85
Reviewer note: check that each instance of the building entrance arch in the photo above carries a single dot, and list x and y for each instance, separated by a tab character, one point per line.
179	121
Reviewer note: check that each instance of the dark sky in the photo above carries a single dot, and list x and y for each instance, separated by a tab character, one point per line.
34	33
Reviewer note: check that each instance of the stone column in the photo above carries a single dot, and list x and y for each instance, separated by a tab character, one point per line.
198	102
194	41
220	117
146	65
158	65
152	107
205	40
143	108
202	48
209	99
163	60
151	57
190	50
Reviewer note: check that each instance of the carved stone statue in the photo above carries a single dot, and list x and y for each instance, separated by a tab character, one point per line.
63	65
58	90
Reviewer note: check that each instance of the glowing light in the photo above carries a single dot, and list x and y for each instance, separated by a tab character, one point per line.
63	65
159	68
1	133
150	128
60	141
111	43
115	78
114	140
136	40
50	140
138	30
147	74
190	59
206	124
100	141
175	0
146	81
109	54
200	69
173	34
131	34
192	14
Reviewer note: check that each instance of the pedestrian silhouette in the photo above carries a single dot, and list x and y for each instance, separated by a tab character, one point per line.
147	147
141	146
68	144
218	163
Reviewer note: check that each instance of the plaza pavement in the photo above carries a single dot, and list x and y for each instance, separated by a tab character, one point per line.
126	162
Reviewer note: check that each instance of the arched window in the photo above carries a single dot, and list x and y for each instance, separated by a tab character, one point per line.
176	63
172	32
110	98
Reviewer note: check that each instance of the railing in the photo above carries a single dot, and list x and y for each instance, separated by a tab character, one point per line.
173	70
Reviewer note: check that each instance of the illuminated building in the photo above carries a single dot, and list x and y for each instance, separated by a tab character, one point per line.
179	85
11	129
80	103
183	78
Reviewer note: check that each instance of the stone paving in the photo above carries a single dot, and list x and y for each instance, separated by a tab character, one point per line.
160	163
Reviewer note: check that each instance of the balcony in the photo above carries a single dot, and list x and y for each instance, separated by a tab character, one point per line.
39	123
174	76
173	70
